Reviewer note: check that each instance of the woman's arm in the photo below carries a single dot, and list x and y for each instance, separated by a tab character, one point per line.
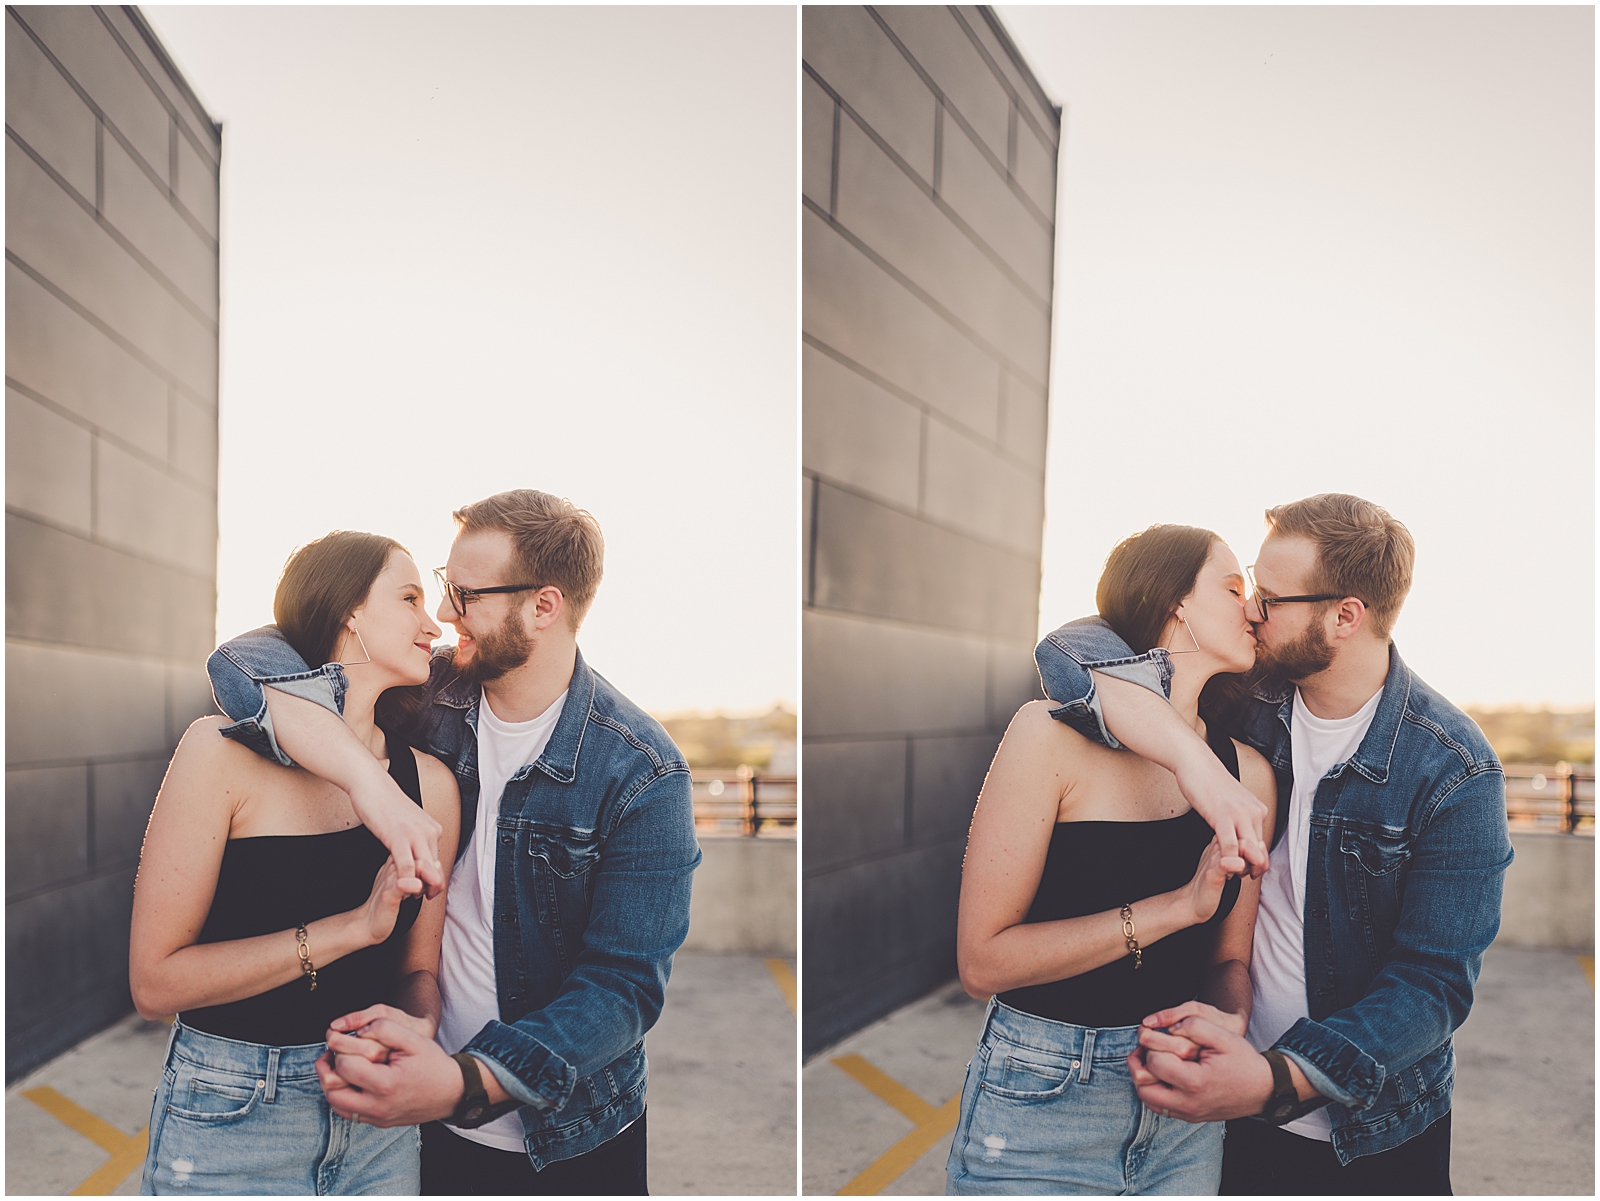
1006	848
206	782
417	991
1227	988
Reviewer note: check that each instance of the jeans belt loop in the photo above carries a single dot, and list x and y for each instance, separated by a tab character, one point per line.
1086	1056
272	1075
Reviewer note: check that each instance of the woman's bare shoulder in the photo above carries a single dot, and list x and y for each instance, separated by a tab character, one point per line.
203	747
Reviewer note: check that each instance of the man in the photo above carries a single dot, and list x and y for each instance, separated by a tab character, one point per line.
1384	884
571	887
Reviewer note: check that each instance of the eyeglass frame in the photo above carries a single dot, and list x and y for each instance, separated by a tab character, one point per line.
1262	602
468	595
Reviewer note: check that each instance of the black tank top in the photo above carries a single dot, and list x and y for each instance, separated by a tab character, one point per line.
1100	865
278	882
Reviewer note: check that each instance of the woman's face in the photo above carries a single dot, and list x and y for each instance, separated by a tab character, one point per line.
394	624
1215	612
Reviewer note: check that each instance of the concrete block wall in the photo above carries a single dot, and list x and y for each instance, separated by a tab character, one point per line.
111	489
928	181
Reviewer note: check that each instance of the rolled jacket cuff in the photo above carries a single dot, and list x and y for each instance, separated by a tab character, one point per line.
538	1076
1067	659
1335	1066
509	1081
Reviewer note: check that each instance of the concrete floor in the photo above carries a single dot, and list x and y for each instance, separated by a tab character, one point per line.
722	1093
1523	1115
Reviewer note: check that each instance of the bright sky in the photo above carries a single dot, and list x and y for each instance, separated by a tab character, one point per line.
1335	249
473	249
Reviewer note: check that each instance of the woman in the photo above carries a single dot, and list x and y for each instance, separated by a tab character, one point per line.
264	910
1094	896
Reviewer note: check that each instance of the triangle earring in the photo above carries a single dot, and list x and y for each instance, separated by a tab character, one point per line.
354	630
1184	622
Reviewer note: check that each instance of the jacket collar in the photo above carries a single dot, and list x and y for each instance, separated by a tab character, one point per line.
560	758
1376	752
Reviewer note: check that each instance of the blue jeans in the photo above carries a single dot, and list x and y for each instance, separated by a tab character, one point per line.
1048	1109
244	1118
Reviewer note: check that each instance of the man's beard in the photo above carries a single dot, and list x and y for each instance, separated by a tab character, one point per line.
503	649
1305	656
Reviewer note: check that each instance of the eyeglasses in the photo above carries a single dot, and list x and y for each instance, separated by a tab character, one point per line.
1262	602
461	597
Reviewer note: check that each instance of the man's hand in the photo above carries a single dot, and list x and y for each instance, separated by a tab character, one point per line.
1230	1079
391	1076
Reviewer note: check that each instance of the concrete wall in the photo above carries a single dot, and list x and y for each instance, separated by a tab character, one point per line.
1549	897
744	897
111	502
929	197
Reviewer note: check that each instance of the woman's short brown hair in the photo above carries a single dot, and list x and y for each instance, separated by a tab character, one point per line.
554	542
1361	551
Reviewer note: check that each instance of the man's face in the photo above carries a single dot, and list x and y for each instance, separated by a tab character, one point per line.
1293	644
493	640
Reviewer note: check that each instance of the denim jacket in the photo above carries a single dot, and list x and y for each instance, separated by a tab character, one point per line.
591	893
1406	860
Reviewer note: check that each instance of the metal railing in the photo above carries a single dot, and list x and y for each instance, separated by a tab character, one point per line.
746	804
1559	798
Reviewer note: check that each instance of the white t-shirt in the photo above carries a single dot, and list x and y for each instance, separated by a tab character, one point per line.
466	960
1278	956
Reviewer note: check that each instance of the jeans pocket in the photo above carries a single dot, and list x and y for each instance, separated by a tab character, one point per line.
213	1097
1027	1074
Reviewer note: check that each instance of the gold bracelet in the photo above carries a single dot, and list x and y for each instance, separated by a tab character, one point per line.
1128	934
305	957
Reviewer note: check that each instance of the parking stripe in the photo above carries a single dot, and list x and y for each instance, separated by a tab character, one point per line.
783	974
127	1150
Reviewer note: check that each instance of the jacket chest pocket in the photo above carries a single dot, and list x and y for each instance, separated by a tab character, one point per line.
1375	863
563	864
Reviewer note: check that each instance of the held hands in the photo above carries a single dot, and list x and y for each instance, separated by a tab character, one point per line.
411	836
390	1073
1198	1070
378	915
1204	892
1235	813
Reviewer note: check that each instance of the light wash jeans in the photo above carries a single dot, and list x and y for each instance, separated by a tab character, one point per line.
234	1118
1048	1109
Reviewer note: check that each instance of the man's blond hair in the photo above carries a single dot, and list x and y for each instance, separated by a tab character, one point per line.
1361	551
553	541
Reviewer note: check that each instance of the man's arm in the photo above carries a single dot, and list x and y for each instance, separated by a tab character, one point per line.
291	713
1450	913
637	920
639	917
1106	692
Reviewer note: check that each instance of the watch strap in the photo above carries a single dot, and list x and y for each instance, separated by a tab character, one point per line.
1284	1104
474	1109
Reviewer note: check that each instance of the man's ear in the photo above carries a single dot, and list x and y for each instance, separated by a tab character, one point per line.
1350	618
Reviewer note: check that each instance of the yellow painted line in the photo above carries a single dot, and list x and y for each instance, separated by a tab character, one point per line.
889	1166
885	1088
784	975
102	1133
116	1169
1586	962
127	1150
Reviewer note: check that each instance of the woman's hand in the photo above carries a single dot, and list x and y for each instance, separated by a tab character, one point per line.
389	888
1234	1023
1237	816
356	1023
404	828
1204	893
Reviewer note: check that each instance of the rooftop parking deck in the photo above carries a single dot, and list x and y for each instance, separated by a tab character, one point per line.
722	1092
880	1106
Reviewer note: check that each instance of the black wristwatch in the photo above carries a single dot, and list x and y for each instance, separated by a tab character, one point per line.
1284	1103
475	1109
